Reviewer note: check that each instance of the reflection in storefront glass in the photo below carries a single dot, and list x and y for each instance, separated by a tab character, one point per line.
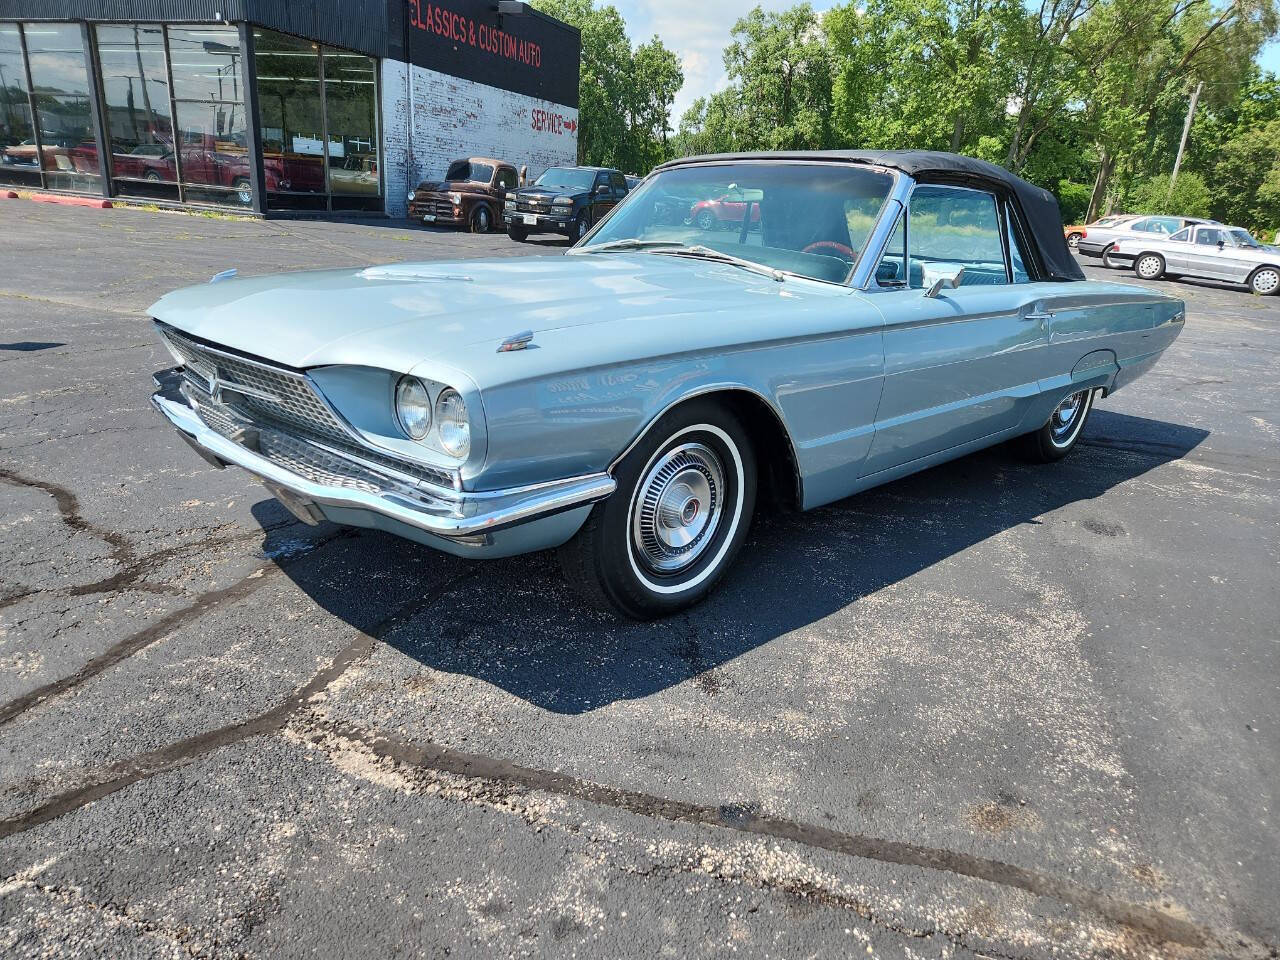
212	151
136	94
350	90
212	142
19	162
64	115
288	75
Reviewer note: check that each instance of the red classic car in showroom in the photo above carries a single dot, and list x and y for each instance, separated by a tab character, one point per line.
725	210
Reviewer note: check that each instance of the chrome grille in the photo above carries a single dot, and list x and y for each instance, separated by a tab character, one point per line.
293	401
283	399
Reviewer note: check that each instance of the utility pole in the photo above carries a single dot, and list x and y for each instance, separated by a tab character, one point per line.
1186	132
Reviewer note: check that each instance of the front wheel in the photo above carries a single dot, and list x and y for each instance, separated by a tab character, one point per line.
706	221
581	226
480	219
517	232
1058	436
1265	281
1149	266
679	515
244	191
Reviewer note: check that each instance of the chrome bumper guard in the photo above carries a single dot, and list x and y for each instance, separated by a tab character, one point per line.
306	477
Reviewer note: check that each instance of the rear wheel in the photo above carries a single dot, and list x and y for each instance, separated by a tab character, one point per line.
1106	258
1265	281
243	189
677	519
1073	240
1149	266
706	220
1058	436
517	232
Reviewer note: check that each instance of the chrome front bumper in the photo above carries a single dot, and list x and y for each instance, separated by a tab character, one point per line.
316	483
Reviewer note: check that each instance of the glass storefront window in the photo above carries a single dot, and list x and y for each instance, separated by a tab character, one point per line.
135	90
209	115
63	105
350	94
19	160
292	135
213	153
318	108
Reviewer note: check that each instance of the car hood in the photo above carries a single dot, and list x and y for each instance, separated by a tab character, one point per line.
529	193
398	316
449	186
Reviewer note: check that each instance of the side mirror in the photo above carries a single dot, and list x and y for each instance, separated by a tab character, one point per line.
1222	244
942	276
602	190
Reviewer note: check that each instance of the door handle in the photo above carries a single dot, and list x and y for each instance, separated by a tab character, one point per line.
1038	315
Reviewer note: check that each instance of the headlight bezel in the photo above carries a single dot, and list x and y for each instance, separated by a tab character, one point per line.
455	197
413	195
405	384
450	410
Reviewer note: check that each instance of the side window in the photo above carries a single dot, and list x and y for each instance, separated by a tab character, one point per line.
1168	224
1183	235
891	270
956	225
1144	226
1017	258
619	185
602	180
506	178
1208	237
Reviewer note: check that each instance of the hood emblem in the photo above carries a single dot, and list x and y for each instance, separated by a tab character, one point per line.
517	341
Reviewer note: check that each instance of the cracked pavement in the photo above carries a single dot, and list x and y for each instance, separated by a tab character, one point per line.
992	710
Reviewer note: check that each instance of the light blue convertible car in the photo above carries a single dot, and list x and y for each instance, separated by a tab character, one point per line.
851	318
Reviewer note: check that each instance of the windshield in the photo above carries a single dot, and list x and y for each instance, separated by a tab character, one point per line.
1243	238
568	177
807	219
466	170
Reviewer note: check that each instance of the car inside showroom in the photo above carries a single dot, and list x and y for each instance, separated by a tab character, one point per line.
263	106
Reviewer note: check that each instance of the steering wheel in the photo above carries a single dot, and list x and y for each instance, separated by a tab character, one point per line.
829	244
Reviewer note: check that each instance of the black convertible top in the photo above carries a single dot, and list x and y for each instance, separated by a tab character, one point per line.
1039	207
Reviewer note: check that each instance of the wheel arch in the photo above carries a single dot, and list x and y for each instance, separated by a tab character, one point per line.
778	467
1262	266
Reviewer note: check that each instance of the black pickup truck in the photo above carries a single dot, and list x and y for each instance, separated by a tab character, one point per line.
566	200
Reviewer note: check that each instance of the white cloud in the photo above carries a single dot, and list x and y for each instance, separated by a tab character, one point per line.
698	32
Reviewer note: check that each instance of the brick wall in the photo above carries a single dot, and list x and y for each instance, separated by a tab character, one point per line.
454	118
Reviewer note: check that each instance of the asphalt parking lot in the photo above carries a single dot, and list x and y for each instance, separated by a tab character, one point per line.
992	710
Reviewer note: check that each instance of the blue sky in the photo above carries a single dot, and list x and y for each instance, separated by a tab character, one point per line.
697	30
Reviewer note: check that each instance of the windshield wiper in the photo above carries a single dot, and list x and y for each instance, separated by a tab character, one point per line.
719	256
630	243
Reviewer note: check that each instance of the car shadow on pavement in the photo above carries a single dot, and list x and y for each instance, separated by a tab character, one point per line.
515	624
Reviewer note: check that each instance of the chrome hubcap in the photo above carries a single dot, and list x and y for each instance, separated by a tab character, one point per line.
1064	418
1148	266
679	506
1266	281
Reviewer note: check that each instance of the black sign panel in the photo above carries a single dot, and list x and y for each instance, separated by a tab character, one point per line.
526	53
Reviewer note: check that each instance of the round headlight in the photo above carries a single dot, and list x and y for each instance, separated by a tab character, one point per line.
455	198
452	426
413	407
412	194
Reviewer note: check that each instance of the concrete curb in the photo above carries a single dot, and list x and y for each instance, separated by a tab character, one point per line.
71	201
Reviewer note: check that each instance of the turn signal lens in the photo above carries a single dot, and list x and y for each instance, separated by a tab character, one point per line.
452	426
413	407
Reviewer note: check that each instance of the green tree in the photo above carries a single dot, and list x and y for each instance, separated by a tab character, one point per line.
624	94
1190	196
930	74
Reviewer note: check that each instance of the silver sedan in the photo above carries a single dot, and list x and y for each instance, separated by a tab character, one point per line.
1100	241
1211	251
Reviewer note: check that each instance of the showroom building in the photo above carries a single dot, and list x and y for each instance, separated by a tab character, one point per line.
278	106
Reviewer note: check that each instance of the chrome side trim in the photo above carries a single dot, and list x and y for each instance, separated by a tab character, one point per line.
467	516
